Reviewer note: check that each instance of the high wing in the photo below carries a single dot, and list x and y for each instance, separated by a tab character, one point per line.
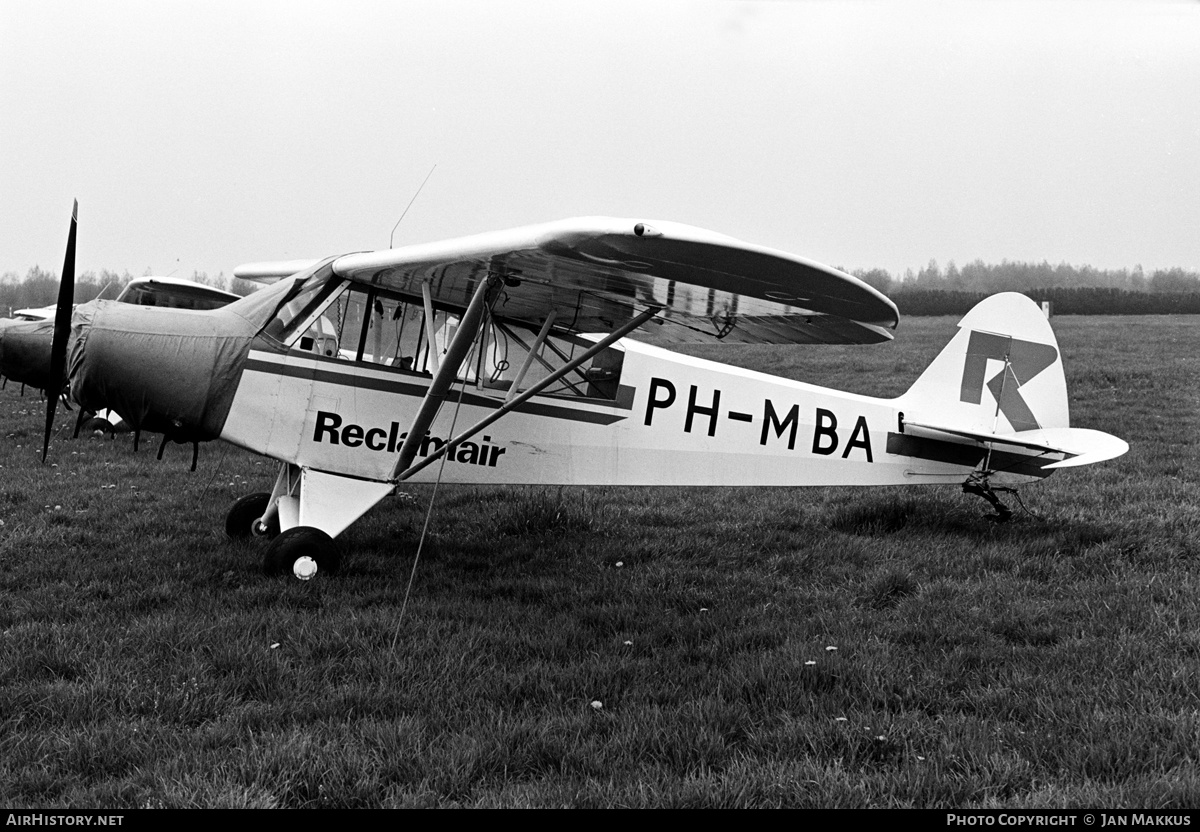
598	273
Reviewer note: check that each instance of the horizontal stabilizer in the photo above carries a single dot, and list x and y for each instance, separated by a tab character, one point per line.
1081	446
1086	446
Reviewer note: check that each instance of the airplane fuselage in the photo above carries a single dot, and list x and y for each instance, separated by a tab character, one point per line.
674	420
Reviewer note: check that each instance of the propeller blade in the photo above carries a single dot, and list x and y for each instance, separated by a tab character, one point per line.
62	330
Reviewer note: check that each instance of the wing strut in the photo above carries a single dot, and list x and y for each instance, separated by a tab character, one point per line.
430	331
533	351
447	371
402	471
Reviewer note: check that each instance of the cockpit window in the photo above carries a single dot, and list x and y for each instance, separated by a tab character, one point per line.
378	328
511	357
301	310
175	297
364	324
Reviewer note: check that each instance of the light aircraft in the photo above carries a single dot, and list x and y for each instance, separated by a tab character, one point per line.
174	293
151	291
25	339
507	358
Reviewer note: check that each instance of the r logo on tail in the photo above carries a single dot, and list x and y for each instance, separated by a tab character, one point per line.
1023	360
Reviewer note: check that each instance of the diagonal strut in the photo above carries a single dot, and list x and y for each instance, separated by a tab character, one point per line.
402	471
447	371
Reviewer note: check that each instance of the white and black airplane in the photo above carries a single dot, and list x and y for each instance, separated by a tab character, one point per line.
522	356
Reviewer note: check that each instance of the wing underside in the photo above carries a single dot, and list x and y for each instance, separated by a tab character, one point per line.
598	273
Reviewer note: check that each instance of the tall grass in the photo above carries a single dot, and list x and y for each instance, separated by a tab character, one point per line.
678	647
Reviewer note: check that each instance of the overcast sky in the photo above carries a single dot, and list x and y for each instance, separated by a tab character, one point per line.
861	133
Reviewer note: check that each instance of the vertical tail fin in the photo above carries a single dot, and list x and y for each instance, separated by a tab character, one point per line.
1000	374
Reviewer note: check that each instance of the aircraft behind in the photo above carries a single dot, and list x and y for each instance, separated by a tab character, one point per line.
25	339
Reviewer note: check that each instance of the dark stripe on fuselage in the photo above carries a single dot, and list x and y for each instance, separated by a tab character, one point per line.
969	456
402	387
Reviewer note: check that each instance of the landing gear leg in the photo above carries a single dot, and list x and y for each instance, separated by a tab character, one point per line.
245	517
980	486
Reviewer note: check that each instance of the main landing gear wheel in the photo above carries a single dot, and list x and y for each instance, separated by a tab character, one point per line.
304	552
97	426
242	517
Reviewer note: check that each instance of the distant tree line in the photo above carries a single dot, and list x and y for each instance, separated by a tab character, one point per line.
1073	290
40	287
1089	300
1008	276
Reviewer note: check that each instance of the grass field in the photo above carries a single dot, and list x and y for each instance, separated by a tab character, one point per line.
678	647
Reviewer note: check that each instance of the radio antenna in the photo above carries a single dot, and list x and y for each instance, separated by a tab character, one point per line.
410	202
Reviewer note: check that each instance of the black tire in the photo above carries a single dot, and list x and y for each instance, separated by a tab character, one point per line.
299	542
96	425
239	522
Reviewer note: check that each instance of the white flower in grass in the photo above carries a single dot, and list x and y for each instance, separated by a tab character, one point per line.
829	648
809	663
629	644
840	719
597	704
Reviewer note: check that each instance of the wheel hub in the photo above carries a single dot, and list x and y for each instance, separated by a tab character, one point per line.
304	568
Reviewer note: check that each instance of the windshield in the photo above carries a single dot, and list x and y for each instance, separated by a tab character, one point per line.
174	296
276	307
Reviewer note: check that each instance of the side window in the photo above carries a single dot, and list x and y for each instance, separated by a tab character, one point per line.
358	323
375	328
507	351
320	338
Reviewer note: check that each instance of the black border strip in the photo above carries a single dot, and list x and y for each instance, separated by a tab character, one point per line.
968	456
400	387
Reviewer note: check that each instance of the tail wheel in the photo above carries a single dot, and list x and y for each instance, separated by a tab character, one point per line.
242	517
303	552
